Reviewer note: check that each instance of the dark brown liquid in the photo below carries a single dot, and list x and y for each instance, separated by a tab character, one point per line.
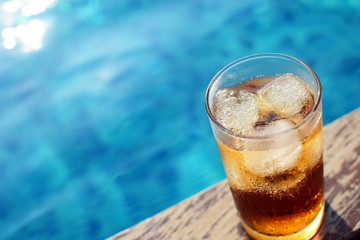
284	203
285	213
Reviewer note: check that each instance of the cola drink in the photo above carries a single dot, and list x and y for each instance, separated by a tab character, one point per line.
268	129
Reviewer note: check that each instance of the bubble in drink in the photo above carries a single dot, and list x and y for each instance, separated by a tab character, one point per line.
286	95
236	110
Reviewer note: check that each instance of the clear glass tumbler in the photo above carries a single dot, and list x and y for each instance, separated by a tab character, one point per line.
266	115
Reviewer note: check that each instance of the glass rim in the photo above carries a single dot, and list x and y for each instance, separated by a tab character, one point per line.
273	55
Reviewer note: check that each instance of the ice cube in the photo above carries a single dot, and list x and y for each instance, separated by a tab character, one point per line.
272	162
272	127
282	154
236	110
286	95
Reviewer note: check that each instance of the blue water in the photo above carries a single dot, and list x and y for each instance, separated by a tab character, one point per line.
102	114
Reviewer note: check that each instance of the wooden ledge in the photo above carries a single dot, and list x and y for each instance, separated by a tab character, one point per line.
211	214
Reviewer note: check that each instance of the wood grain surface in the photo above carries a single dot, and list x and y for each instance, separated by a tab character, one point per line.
211	214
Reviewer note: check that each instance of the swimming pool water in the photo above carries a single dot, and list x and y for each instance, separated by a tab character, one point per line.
102	113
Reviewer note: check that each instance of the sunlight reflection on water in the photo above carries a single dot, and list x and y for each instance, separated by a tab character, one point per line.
20	30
